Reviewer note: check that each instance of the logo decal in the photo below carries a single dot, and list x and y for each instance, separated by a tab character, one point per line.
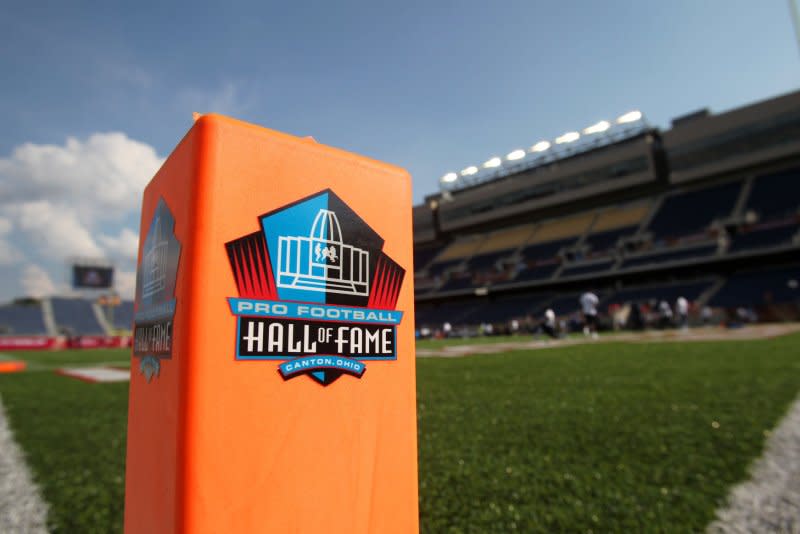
155	293
316	291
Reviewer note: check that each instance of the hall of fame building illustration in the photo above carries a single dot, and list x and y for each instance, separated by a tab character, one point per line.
322	261
154	272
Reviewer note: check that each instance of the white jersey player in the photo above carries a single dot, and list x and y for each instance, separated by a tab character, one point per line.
682	308
589	302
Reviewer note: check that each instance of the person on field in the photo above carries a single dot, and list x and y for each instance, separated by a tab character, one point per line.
664	314
447	329
549	324
682	309
589	302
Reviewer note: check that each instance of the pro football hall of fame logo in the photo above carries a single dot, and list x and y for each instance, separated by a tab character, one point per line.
155	293
316	291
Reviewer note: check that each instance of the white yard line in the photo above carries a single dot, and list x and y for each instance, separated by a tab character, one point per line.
770	500
21	506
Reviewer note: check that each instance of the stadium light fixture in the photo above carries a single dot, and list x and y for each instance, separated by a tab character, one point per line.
568	137
450	177
599	127
515	155
541	146
469	171
492	163
631	116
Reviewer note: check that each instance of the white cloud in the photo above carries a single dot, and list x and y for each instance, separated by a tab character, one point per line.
36	282
73	200
125	245
101	178
9	254
54	231
125	284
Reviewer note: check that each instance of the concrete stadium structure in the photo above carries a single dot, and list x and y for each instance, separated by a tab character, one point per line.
708	210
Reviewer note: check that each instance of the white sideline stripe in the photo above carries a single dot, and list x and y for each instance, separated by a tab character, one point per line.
97	374
770	500
21	506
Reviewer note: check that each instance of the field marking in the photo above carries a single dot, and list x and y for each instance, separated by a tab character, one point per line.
770	500
652	336
96	375
22	508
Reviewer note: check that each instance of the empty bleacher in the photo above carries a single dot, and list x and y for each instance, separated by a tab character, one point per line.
584	268
423	256
765	236
22	319
601	242
123	315
615	223
665	256
508	239
755	288
775	195
566	228
517	306
75	316
452	312
692	212
670	291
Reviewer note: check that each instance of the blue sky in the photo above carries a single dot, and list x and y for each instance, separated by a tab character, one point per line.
95	95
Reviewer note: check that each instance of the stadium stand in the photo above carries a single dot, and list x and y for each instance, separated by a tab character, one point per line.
692	212
754	288
757	237
22	319
663	257
123	315
585	268
712	202
423	256
75	316
669	291
775	195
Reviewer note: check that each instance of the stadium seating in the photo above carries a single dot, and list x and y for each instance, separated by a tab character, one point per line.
423	256
456	283
438	268
755	288
630	215
461	248
566	304
76	316
22	319
692	212
123	315
670	291
561	229
537	272
601	242
545	251
775	195
764	237
508	239
662	257
487	261
516	306
452	312
711	208
584	268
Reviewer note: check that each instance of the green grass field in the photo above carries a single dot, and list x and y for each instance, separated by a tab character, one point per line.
612	437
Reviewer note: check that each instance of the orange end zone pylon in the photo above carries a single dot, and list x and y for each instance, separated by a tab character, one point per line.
12	366
273	373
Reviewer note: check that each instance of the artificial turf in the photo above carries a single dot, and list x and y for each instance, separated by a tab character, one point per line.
612	437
